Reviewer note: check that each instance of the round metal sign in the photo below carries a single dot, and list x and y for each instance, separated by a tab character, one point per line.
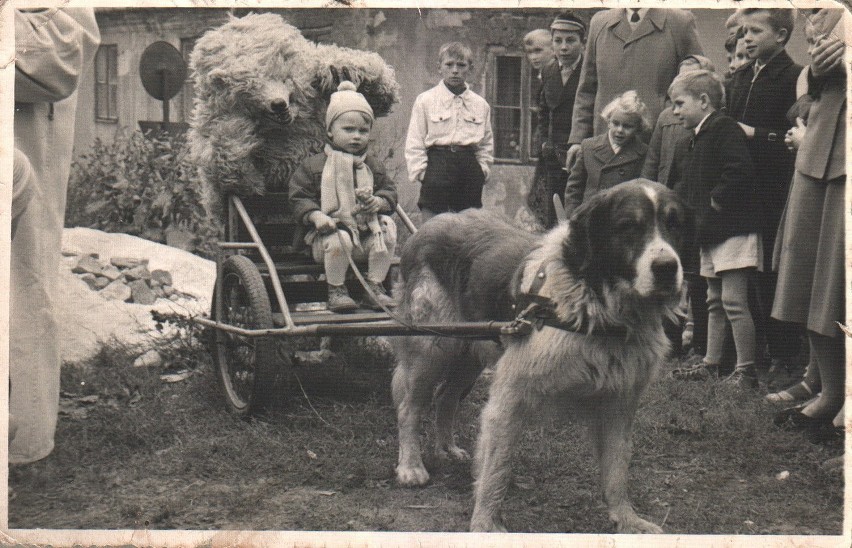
162	70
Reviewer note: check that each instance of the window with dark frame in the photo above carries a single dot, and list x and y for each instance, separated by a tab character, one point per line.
186	97
513	97
106	83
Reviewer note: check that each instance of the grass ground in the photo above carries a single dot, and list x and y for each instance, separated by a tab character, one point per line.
135	452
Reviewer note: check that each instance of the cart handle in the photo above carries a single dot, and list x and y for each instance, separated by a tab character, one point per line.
267	259
406	220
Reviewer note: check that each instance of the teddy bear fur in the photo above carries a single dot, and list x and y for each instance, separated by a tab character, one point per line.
261	95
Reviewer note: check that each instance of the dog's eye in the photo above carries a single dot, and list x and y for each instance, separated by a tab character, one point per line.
627	225
673	223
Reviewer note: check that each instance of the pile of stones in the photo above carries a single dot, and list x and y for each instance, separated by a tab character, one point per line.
126	279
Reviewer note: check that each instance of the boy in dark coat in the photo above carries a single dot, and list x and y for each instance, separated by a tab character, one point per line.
716	178
559	80
760	93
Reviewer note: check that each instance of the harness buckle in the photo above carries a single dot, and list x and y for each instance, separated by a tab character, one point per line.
519	326
522	325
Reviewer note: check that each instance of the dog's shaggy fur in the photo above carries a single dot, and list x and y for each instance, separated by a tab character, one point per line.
261	93
612	275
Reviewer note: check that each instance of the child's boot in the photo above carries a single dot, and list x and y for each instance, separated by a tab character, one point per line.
744	376
381	301
339	299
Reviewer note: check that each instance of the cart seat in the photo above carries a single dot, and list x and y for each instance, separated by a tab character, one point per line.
282	238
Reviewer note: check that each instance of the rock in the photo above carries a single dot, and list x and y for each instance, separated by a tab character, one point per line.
161	277
137	273
87	321
88	264
117	291
141	293
101	282
176	377
111	272
127	262
150	358
90	279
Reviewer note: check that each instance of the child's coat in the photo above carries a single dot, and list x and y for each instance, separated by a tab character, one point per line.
598	167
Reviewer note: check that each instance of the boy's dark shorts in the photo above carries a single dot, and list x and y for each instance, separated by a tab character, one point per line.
453	179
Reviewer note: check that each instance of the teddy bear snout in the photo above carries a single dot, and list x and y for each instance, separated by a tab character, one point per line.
277	99
281	111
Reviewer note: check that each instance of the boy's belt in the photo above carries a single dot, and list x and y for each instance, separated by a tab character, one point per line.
453	148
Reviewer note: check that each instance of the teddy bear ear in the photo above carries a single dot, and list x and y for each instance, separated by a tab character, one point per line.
341	75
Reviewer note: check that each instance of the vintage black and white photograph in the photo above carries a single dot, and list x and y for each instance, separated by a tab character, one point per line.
481	268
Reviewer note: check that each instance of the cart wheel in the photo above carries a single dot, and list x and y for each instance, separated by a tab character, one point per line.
249	368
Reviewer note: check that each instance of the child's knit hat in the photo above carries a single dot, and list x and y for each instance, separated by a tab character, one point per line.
346	99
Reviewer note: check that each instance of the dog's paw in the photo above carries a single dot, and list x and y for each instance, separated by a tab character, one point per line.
411	476
480	524
452	452
632	525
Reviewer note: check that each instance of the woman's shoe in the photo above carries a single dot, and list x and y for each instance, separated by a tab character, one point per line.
792	418
797	392
824	433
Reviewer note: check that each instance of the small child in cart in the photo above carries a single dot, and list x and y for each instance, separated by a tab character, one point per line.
340	193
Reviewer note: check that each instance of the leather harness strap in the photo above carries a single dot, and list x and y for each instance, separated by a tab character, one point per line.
537	311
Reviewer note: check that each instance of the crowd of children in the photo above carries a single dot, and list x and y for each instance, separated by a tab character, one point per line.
756	152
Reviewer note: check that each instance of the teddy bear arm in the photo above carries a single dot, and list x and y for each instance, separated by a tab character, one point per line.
230	150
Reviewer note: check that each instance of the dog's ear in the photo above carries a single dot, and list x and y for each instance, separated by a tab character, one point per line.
587	229
681	222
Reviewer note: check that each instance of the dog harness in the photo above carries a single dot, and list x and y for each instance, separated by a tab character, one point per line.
537	311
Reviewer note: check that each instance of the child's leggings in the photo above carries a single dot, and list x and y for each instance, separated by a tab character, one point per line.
727	295
333	251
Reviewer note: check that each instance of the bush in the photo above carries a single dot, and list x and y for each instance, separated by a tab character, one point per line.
143	186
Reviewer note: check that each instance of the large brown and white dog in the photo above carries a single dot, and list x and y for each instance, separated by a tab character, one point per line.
599	285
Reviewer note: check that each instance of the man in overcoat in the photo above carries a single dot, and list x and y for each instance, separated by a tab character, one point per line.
53	48
629	48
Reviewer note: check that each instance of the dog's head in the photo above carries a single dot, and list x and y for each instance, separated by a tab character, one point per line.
629	236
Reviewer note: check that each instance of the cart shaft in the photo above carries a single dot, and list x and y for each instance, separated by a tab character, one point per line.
465	330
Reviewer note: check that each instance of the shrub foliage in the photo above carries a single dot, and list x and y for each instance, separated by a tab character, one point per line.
139	185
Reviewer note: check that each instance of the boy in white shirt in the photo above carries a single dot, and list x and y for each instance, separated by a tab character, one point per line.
449	148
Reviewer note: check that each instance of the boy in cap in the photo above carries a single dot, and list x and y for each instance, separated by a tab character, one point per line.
450	147
339	193
556	103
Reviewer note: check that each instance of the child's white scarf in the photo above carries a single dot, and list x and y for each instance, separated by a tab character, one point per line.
345	177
